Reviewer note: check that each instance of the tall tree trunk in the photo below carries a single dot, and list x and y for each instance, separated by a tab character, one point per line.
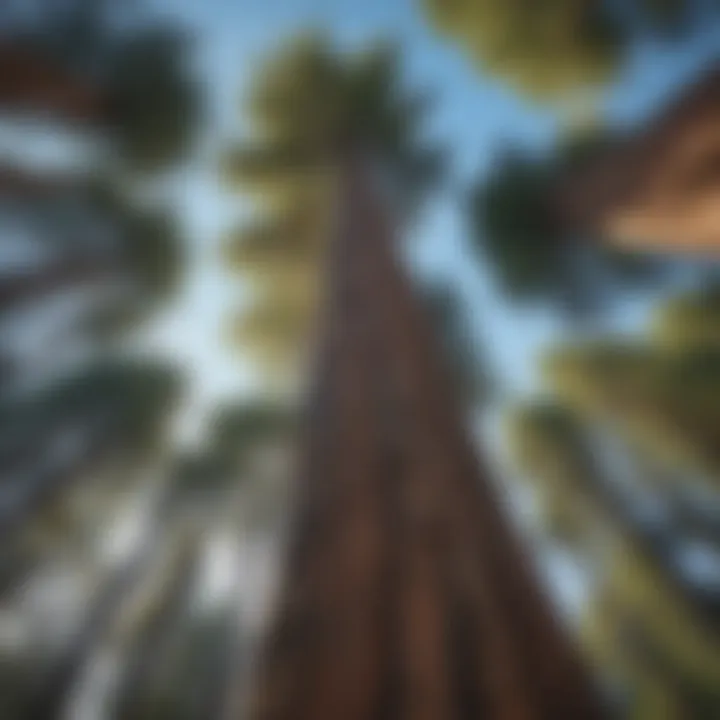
145	663
407	595
56	687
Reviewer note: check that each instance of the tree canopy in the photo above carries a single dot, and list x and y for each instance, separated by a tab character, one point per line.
131	78
518	227
473	381
690	320
311	107
622	457
549	49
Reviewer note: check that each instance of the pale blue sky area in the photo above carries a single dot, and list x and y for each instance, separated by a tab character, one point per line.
474	117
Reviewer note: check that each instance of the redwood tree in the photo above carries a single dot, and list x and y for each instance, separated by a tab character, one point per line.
406	592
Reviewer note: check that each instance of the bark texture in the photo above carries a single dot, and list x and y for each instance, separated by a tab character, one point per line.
406	594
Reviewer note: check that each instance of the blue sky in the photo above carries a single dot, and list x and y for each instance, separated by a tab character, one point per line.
475	116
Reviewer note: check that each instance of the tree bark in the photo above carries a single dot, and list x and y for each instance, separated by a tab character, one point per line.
407	595
31	82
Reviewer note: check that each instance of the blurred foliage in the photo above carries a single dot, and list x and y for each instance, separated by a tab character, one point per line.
238	434
691	320
145	605
547	444
119	77
667	403
466	368
651	622
518	228
238	429
95	489
311	108
129	75
87	416
548	50
153	102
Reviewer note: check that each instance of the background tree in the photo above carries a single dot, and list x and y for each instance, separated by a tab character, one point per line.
147	606
517	226
126	259
340	124
85	425
99	431
102	434
180	657
560	47
472	377
690	320
623	469
311	110
93	242
121	81
113	69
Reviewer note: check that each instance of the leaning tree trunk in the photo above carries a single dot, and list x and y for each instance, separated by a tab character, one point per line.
51	482
135	691
55	689
406	594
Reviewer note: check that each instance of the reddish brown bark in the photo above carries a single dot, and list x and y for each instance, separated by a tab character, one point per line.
29	82
659	188
407	596
22	287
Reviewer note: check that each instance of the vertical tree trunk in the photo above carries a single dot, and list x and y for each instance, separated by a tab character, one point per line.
407	596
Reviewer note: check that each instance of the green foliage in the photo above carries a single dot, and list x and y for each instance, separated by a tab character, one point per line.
237	429
549	446
135	387
311	108
667	404
291	241
198	479
80	447
652	626
154	102
136	396
675	680
548	49
518	228
515	225
147	255
603	375
310	105
280	168
538	432
465	368
153	249
237	433
137	71
691	320
274	333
